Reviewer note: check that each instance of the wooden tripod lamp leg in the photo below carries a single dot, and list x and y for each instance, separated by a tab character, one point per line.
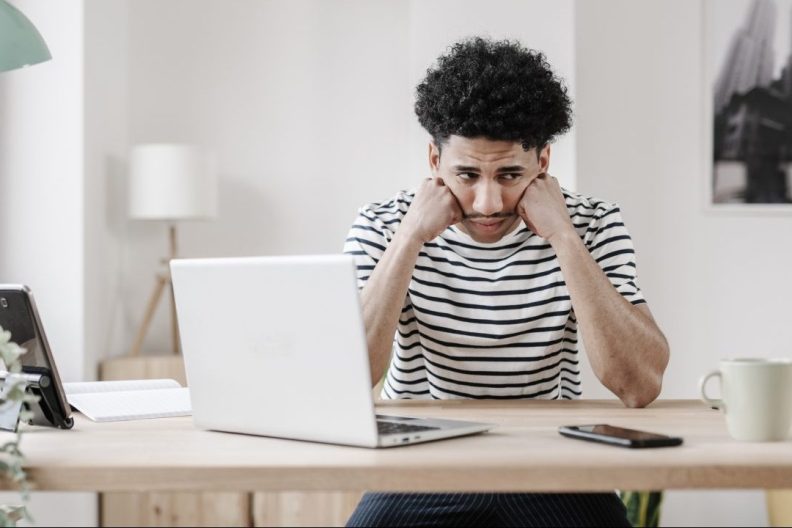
150	309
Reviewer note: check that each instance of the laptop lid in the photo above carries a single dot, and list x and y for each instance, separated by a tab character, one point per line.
276	346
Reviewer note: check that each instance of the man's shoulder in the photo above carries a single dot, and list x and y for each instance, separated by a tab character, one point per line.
390	211
583	207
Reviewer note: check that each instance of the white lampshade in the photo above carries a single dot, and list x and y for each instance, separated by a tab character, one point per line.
171	182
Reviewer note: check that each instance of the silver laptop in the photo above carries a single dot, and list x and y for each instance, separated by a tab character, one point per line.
276	346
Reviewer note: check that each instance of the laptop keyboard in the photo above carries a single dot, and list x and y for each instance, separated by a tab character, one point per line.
385	428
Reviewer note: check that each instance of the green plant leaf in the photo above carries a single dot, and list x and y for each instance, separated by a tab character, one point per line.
14	391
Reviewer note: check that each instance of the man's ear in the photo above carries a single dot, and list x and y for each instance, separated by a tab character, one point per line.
434	158
544	158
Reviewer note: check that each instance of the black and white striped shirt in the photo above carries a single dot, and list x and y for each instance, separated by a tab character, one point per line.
490	320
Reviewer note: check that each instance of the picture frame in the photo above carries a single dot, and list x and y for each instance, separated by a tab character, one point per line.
747	106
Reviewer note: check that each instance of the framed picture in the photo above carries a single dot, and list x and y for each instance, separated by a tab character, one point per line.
748	104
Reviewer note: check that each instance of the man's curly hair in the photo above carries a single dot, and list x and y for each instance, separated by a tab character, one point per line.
494	89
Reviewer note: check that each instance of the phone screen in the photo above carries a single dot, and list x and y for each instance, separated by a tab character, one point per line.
620	432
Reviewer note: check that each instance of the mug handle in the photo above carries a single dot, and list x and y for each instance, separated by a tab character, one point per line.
718	404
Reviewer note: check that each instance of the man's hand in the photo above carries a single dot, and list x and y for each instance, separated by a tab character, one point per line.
433	209
543	208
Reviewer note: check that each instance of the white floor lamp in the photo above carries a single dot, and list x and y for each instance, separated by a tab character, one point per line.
170	183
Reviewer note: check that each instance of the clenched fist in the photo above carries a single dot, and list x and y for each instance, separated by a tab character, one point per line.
543	208
433	209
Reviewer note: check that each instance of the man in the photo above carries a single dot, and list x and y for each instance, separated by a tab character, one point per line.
475	285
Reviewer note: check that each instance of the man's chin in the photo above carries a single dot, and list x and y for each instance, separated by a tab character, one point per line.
486	235
485	239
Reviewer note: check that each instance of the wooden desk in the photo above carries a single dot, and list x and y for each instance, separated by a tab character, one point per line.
524	452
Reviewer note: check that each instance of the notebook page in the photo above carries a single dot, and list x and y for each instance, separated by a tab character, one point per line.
83	387
132	405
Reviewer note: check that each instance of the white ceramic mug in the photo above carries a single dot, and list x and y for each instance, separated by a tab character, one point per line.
756	396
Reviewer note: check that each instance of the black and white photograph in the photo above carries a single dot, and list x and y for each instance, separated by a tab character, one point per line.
751	68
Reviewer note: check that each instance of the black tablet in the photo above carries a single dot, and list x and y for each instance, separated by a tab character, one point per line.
18	315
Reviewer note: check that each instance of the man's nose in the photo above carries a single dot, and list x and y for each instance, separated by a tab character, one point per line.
488	199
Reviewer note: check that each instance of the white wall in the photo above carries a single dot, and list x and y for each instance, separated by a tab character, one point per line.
309	107
718	284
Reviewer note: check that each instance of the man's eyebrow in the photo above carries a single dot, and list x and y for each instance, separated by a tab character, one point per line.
465	168
511	168
470	168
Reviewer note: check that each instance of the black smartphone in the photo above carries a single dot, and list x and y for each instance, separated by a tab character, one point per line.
18	315
619	436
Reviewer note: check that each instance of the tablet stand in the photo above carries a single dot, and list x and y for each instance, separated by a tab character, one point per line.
47	411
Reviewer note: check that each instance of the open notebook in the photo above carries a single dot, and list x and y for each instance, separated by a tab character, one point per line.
108	401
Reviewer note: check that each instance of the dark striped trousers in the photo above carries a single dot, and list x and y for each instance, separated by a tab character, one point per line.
489	509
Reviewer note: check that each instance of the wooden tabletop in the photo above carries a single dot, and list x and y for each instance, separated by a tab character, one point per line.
524	452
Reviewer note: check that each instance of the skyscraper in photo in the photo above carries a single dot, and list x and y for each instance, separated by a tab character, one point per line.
749	62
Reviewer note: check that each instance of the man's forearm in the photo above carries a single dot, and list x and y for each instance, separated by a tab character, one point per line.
383	296
626	349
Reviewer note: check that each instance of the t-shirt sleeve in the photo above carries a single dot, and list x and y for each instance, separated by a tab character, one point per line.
367	239
611	247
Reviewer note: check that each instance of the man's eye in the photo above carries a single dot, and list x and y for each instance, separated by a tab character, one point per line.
511	176
467	175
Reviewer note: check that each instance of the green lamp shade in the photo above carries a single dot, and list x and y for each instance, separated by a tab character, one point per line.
20	42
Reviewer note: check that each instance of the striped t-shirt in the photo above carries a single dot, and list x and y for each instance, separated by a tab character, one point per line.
490	320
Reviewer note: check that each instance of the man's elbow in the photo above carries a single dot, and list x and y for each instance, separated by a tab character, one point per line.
647	390
635	392
638	399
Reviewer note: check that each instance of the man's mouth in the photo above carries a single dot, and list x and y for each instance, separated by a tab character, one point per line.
488	226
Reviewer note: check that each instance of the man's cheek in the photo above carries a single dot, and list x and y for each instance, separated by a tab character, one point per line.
521	194
455	192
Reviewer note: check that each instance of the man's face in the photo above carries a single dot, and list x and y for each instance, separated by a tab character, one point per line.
488	179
